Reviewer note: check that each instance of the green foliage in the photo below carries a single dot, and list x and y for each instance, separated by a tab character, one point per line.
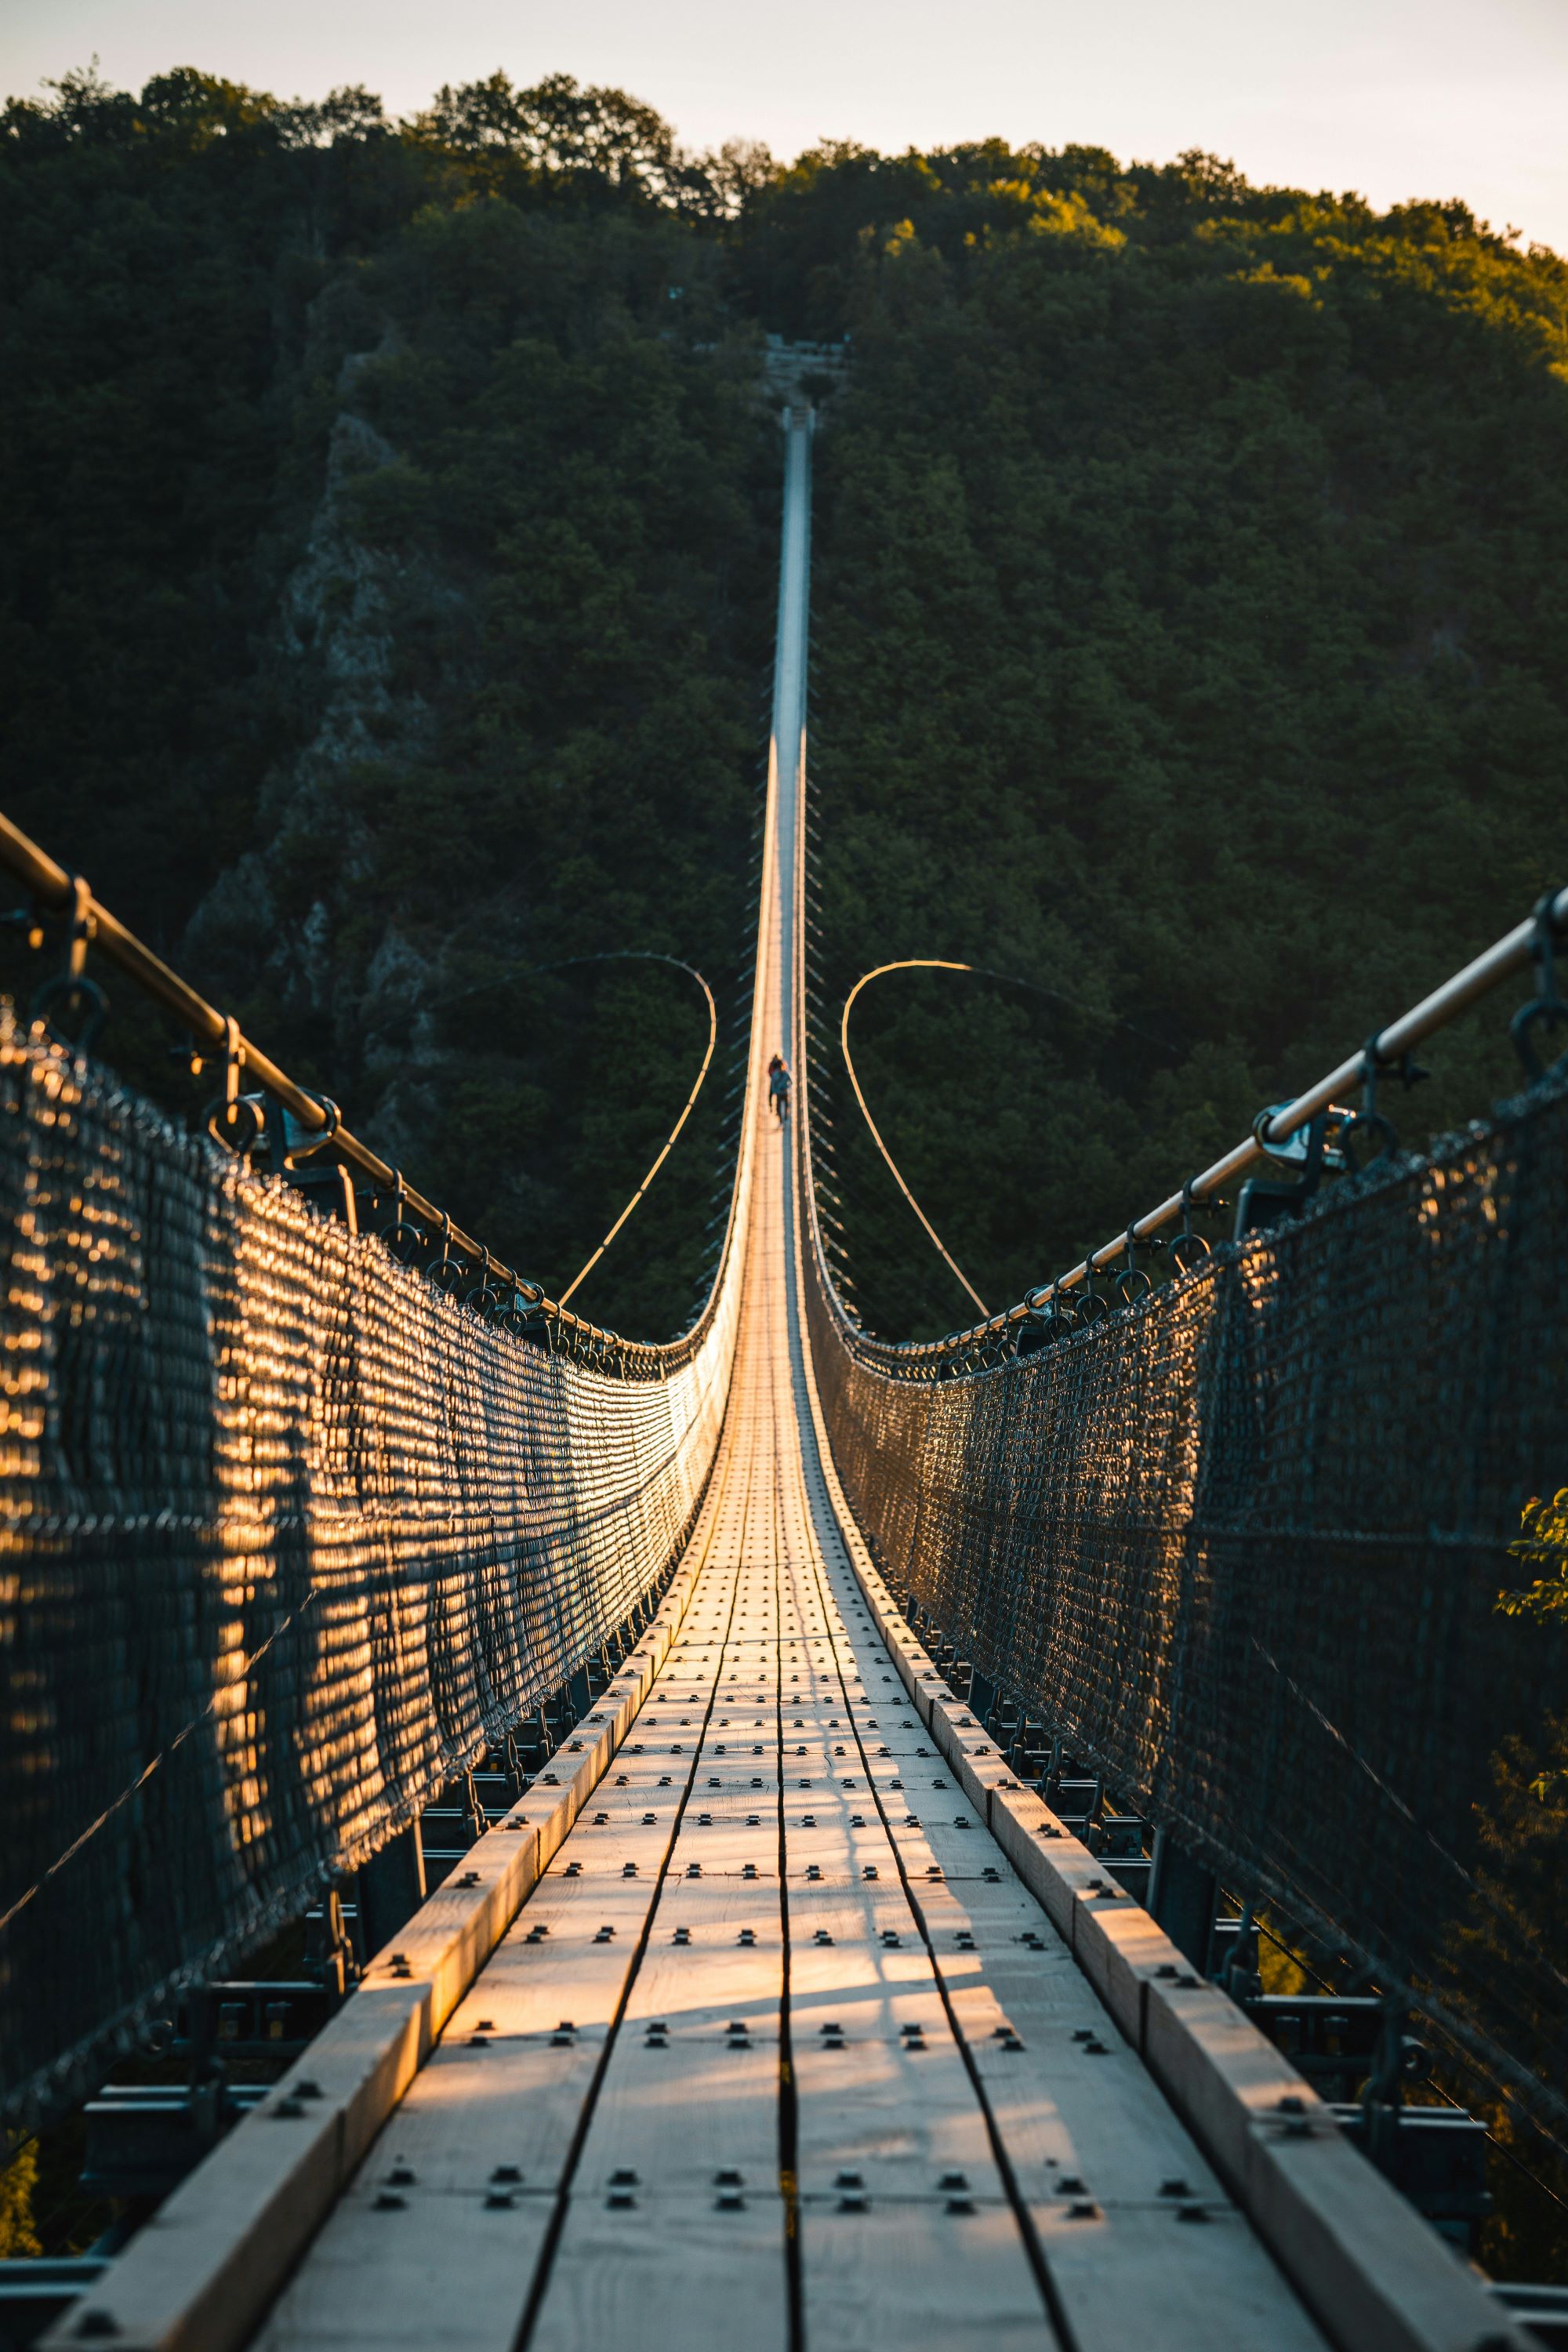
388	587
389	590
18	2181
1542	1545
1521	1881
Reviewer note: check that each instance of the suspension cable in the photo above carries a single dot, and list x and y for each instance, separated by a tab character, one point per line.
986	971
908	964
645	955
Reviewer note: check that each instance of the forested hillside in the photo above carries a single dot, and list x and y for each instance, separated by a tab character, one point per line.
1191	638
387	609
388	601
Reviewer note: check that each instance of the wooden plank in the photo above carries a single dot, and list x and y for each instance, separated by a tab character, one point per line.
917	2273
668	2271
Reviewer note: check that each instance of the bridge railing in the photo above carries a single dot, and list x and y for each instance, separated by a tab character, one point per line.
311	1123
292	1530
1237	1541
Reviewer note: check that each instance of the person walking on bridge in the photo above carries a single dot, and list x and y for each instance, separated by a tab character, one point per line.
778	1086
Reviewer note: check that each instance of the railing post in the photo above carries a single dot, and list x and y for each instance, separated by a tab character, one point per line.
391	1889
1183	1896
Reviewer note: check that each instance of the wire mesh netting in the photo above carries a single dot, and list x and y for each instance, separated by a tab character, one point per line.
1240	1544
289	1536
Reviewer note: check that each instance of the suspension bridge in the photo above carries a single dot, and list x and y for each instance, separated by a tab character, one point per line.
769	1805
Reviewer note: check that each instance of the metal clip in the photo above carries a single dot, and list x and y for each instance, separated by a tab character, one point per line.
1049	1322
403	1238
1087	1304
1369	1117
73	988
1132	1280
488	1296
236	1121
446	1268
1189	1249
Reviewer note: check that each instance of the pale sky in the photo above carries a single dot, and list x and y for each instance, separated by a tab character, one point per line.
1393	97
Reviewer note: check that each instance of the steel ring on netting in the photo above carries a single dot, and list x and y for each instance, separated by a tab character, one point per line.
398	1233
73	988
446	1269
1188	1250
1089	1304
485	1297
1132	1281
1050	1320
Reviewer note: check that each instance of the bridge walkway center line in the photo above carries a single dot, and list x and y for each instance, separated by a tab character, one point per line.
780	2053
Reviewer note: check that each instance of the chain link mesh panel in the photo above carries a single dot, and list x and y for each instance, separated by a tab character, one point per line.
289	1536
1240	1545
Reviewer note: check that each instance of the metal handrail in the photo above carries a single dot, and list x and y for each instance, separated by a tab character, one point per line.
54	888
1385	1049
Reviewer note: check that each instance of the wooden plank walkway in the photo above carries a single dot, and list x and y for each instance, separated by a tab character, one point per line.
780	2049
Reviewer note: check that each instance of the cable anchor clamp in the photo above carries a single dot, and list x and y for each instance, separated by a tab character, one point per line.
1548	1009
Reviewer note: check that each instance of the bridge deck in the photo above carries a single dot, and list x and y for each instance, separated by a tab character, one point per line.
780	2032
779	2051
